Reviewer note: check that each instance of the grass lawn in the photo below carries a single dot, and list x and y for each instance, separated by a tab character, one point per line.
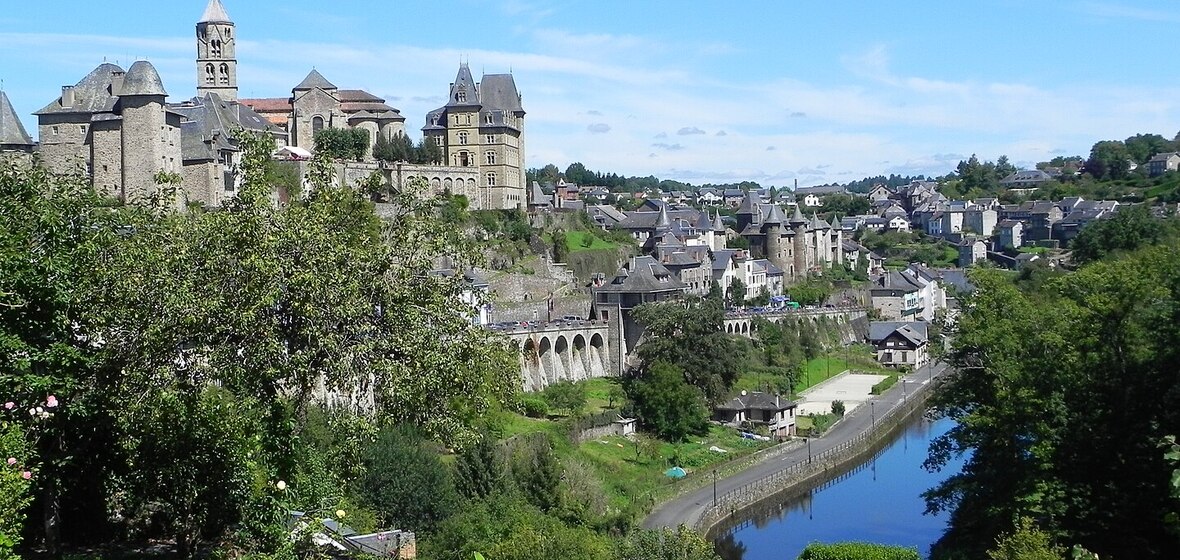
575	241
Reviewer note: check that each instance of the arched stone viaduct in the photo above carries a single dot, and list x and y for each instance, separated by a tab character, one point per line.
556	352
742	323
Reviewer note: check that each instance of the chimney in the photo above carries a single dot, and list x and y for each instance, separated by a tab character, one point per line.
117	83
67	96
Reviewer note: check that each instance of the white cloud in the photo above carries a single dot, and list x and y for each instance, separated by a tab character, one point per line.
689	131
598	128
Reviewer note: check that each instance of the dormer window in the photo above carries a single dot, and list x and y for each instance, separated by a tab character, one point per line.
461	96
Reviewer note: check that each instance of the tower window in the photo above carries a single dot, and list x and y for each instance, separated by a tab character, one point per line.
490	139
461	95
215	47
208	73
491	179
489	118
317	124
491	158
462	138
224	71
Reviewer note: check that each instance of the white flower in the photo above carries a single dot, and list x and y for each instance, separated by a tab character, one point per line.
340	513
281	485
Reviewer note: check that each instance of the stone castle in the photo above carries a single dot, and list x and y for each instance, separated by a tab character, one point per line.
117	128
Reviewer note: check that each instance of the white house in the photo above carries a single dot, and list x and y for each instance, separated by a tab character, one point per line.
900	344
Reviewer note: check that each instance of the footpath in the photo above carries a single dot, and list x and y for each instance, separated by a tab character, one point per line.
691	508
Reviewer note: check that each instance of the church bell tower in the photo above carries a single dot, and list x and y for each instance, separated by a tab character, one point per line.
217	61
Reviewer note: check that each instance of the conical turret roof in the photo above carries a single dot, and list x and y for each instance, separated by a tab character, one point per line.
817	224
718	226
774	215
663	222
749	204
704	223
797	217
215	13
142	79
12	132
463	91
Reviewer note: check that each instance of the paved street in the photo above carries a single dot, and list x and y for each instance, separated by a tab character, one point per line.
688	508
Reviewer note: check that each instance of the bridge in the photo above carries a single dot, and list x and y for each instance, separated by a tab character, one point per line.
560	350
743	322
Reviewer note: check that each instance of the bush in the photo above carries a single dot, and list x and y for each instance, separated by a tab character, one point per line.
566	395
406	482
857	551
535	407
884	385
838	408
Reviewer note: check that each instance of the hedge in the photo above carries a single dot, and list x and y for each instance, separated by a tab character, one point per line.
884	385
858	551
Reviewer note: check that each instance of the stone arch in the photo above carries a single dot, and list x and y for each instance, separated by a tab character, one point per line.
447	183
545	358
579	358
745	328
729	328
534	374
561	355
435	184
598	357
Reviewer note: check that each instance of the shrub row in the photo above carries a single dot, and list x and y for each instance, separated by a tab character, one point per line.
884	385
857	551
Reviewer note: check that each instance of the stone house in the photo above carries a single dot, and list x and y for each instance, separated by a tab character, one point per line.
1011	234
896	297
899	344
115	127
981	220
1163	163
640	280
971	251
759	409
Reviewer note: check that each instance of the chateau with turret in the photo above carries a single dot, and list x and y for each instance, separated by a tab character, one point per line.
116	127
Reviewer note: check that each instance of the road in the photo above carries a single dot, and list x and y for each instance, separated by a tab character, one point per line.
687	509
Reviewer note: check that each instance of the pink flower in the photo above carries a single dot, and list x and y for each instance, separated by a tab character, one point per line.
51	401
8	405
26	475
11	461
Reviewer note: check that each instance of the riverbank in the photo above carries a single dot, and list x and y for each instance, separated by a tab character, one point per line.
849	439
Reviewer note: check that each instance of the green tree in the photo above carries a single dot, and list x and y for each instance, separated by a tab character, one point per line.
1026	542
1109	159
507	528
1130	228
736	296
342	143
667	404
690	336
428	151
568	396
1141	147
665	544
405	481
536	471
480	469
561	249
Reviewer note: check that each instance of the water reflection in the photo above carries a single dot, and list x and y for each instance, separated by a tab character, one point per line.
880	501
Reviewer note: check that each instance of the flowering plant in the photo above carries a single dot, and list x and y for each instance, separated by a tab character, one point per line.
18	434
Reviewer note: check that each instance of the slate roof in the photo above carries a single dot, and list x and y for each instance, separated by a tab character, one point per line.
704	223
718	227
209	123
314	80
749	204
818	224
756	400
774	216
894	280
142	79
1031	176
498	91
821	190
215	13
914	331
463	82
642	275
797	217
91	95
721	258
1010	223
12	132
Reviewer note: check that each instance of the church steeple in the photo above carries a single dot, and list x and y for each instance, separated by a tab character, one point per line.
217	61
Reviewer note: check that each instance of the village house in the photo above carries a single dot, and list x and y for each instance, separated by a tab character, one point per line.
759	409
900	344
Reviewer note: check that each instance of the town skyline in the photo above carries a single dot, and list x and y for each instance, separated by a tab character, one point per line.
700	95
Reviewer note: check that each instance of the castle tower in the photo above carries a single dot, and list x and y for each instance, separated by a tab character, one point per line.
748	213
13	136
799	244
773	227
217	61
150	135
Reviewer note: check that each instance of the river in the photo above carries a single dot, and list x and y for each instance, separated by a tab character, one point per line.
880	503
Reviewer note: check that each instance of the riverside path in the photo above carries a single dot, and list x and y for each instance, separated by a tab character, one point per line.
688	508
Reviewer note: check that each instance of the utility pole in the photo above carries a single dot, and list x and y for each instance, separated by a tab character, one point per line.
714	487
873	413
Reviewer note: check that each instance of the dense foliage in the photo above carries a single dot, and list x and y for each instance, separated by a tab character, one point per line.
1064	393
187	351
342	143
857	551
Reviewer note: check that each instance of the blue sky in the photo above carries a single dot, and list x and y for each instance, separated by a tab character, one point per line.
698	91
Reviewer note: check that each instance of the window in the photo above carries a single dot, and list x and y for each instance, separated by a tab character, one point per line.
317	124
461	95
467	118
490	139
462	138
208	73
82	129
224	71
491	179
488	118
215	48
491	158
54	129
